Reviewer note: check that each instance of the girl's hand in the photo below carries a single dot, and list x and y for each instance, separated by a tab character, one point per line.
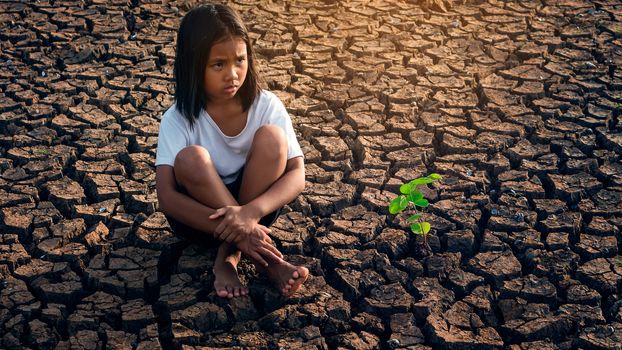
237	222
258	246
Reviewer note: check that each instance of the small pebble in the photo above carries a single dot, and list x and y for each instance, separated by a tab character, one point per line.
393	343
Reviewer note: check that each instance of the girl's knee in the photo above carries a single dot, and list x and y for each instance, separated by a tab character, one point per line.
271	138
190	156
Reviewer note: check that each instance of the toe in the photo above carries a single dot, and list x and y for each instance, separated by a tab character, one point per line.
291	281
295	274
236	291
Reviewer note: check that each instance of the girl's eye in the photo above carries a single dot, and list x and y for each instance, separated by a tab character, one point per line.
241	60
217	65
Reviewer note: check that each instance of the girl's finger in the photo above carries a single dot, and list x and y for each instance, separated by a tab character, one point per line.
270	245
227	234
218	213
264	231
275	251
260	235
258	258
220	228
268	254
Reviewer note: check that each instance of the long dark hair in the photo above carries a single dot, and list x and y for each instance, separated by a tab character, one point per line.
201	28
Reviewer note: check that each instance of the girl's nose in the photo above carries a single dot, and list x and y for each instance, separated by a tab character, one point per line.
233	73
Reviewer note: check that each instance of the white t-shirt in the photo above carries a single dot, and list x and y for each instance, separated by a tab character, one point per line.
228	153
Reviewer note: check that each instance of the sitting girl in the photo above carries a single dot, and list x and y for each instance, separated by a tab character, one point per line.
227	157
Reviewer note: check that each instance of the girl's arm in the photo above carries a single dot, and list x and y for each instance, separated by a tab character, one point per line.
185	209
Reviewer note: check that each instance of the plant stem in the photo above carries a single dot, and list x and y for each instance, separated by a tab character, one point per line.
420	220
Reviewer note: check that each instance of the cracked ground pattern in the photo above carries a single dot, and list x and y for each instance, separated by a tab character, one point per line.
515	103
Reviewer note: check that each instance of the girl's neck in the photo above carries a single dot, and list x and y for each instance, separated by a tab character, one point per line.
228	106
228	116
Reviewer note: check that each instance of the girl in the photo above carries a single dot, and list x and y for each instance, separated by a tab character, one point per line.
227	157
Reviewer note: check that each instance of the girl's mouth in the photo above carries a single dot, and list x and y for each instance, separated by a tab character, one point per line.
231	89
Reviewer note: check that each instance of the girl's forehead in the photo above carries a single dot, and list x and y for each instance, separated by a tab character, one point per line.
235	40
232	45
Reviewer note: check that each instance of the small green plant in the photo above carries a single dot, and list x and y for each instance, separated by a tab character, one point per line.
411	197
619	262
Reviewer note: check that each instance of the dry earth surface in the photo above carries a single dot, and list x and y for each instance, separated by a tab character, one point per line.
515	103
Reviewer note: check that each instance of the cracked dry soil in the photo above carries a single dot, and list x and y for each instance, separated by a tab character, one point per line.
515	103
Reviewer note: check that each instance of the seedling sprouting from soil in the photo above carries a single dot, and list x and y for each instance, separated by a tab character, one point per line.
410	197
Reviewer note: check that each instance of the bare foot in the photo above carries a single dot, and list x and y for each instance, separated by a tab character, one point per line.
287	277
227	282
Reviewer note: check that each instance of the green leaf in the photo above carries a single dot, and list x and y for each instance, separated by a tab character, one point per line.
420	181
435	176
422	203
394	206
421	228
398	204
405	188
415	217
403	202
416	228
415	196
426	227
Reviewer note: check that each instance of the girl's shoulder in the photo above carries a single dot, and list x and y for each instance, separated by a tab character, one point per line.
267	100
265	96
172	114
173	119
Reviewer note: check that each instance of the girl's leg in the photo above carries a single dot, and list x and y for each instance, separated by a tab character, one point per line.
265	165
195	172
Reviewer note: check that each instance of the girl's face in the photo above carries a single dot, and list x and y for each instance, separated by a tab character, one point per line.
226	69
